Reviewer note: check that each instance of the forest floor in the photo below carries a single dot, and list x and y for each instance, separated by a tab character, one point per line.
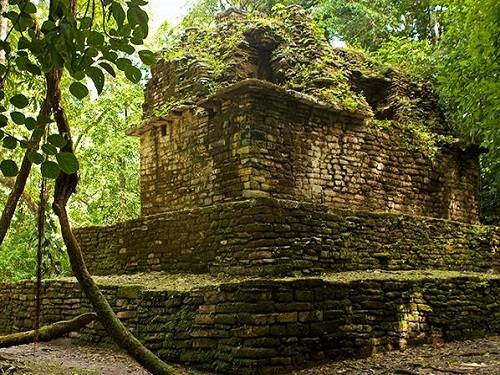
65	357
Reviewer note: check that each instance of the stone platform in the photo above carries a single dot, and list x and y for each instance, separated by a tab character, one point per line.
261	326
266	236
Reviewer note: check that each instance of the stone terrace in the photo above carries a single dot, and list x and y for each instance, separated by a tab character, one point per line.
262	326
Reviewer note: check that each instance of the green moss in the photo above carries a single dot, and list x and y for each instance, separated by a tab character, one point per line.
304	61
303	48
187	282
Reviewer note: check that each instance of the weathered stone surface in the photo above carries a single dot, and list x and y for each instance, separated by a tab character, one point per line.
369	316
272	237
256	140
266	152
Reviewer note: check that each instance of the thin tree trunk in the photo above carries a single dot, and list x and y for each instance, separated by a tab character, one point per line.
65	187
25	169
4	5
48	333
106	316
28	201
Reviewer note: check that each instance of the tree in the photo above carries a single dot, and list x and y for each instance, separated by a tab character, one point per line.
370	23
204	11
87	43
469	83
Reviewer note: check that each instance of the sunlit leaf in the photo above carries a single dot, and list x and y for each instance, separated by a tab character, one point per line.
17	117
9	142
35	157
19	101
50	169
147	57
97	77
56	140
68	162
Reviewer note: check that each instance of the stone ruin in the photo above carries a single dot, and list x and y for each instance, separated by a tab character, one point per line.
299	202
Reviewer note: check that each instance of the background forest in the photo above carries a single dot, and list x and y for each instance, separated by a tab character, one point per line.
454	44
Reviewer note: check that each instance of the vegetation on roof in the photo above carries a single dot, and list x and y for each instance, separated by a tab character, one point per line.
299	57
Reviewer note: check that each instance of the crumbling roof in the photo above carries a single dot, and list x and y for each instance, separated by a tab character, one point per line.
289	50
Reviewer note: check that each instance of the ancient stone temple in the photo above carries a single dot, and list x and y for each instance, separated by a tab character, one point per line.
299	203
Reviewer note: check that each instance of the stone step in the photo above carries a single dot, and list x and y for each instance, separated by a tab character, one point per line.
280	237
260	326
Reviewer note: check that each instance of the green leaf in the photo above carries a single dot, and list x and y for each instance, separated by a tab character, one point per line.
138	17
108	68
127	48
85	23
95	38
17	117
34	69
56	140
29	8
68	162
24	22
30	123
79	90
23	43
3	120
19	101
109	55
138	34
147	57
49	149
92	52
118	13
133	74
10	143
123	64
50	169
79	75
97	77
22	62
35	157
9	168
48	25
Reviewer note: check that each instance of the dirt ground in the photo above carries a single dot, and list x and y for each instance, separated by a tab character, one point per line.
65	357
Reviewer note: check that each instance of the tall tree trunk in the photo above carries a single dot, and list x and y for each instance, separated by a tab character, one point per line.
65	187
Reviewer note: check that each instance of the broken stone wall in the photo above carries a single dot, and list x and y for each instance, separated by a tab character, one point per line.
258	140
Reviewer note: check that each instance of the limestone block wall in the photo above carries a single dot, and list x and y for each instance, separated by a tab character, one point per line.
267	236
188	160
309	154
263	326
255	139
179	79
